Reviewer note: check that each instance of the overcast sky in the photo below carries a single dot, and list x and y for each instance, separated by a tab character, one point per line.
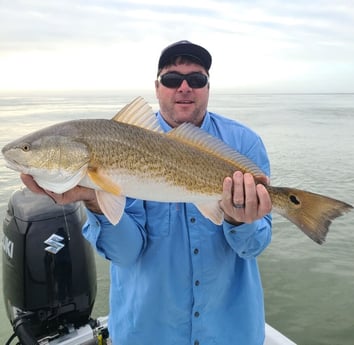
256	45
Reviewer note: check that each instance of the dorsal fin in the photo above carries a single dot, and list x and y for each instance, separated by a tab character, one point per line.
195	136
139	113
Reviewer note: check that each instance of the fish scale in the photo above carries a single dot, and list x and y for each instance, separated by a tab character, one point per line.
139	150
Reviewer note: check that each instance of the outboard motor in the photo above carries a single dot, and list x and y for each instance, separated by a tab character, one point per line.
49	272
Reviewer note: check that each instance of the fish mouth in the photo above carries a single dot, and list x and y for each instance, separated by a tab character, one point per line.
13	164
16	166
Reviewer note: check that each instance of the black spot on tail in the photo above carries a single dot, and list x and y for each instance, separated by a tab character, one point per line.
294	200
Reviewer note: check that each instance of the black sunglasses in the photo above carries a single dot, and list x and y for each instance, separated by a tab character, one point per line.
172	80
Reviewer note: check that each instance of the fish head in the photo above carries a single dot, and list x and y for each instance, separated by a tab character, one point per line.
48	157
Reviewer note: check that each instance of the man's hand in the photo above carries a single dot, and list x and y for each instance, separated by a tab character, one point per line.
242	200
78	193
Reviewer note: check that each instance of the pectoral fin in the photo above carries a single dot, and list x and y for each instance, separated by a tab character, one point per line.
103	181
111	205
212	211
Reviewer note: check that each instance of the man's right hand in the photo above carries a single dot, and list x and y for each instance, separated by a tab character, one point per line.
78	193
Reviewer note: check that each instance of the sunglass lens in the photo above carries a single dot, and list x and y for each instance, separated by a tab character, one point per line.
194	80
171	80
197	80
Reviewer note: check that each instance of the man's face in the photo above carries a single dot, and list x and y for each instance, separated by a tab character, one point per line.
183	103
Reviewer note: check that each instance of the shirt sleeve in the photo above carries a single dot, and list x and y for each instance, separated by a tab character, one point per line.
249	240
121	243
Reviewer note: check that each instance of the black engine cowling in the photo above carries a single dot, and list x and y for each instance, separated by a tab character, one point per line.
49	272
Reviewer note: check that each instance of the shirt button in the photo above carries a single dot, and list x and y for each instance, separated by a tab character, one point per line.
192	220
196	314
196	251
196	283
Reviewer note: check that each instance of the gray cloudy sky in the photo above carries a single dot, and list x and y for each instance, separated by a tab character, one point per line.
257	45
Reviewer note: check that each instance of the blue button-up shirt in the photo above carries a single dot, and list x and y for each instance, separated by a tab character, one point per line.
177	278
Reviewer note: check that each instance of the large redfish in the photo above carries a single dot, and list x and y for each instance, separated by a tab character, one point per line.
131	156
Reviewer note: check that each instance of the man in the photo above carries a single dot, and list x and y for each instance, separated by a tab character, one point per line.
177	278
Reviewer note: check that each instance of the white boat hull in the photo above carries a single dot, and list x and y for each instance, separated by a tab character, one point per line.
274	337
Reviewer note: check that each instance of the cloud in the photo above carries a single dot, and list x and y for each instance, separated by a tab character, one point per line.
103	44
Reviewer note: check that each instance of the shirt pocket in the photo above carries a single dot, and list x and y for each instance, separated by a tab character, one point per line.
158	219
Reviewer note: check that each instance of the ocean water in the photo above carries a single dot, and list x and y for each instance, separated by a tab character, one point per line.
309	289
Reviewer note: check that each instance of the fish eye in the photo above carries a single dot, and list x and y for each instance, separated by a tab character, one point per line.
26	147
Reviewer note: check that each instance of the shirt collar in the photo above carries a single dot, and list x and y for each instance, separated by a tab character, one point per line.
166	127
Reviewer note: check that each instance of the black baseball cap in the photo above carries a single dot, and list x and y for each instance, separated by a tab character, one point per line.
185	48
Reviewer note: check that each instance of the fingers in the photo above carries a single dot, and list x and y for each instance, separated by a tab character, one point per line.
60	199
245	200
265	202
242	200
31	184
78	193
251	199
238	198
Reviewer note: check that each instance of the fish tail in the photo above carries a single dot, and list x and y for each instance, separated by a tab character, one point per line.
312	213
